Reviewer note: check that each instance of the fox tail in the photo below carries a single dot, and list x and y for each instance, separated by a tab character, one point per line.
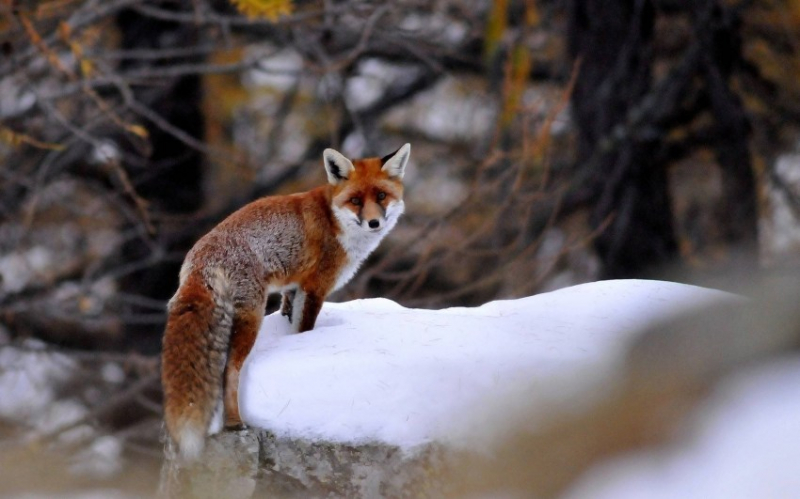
193	360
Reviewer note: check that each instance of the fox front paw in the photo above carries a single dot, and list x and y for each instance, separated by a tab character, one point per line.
234	424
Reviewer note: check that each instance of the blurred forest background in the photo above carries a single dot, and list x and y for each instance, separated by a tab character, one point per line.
554	142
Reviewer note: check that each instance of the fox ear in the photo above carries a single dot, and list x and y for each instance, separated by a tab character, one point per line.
395	164
337	166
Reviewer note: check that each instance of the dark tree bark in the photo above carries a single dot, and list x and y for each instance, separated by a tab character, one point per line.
612	40
719	36
171	178
624	121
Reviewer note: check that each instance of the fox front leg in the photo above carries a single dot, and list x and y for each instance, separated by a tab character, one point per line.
286	303
305	308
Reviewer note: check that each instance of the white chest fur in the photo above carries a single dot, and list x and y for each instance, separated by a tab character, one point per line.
359	242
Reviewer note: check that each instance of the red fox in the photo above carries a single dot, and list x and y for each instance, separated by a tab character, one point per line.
304	245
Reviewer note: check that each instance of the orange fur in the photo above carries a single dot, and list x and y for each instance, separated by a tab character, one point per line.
305	245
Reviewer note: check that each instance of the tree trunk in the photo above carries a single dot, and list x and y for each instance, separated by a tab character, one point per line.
612	40
171	178
718	30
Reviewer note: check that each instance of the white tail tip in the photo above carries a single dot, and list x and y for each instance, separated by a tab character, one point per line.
191	442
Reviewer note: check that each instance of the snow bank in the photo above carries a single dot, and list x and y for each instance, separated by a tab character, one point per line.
372	370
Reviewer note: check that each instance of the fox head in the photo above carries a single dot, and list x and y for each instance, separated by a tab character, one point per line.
367	193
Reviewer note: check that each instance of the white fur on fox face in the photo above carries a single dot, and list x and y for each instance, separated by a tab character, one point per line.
358	240
348	219
393	212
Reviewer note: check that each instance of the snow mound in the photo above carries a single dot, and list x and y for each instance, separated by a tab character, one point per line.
372	370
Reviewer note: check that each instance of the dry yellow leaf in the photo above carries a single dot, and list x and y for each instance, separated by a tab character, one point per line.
16	139
268	9
495	27
138	130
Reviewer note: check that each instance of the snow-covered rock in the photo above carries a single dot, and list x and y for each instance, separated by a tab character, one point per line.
372	401
372	370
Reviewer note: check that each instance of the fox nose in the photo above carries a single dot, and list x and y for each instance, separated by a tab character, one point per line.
374	223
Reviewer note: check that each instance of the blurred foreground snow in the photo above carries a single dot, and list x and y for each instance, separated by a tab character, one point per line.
742	444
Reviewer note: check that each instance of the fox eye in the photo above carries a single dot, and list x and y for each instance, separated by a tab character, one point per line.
355	200
381	196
